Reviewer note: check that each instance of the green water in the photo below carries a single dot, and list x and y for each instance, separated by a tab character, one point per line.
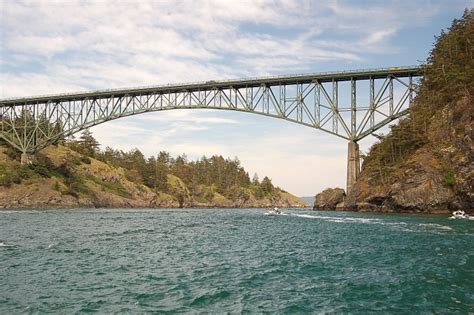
216	260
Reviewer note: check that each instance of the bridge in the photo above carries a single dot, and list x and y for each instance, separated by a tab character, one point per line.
347	104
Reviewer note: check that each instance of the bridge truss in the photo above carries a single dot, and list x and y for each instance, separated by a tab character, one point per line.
349	104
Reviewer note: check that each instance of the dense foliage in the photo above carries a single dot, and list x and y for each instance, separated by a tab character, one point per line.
447	84
213	180
203	177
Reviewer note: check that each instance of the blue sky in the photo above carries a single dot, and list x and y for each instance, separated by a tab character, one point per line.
64	46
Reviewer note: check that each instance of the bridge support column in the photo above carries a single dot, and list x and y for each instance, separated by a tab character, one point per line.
353	165
25	159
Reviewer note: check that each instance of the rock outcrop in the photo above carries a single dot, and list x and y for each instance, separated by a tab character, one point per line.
419	186
330	199
426	163
438	177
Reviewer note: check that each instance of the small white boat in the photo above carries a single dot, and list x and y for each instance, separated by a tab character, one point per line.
275	211
459	214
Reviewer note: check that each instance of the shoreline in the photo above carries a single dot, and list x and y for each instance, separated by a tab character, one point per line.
414	213
411	212
150	208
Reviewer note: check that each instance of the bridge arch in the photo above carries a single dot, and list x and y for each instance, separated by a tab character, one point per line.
316	101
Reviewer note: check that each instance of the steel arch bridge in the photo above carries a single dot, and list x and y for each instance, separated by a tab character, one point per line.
347	104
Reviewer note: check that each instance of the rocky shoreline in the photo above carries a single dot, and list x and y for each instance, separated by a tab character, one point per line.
425	164
335	199
49	193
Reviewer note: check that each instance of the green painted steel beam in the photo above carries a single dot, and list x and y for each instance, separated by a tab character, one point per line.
399	72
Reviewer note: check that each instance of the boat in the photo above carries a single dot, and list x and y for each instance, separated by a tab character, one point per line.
275	211
459	214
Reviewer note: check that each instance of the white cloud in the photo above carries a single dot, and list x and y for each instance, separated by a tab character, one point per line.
378	36
187	116
102	45
300	160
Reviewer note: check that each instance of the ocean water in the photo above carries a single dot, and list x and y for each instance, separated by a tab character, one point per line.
233	261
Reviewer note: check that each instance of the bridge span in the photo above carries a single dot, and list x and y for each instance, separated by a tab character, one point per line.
347	104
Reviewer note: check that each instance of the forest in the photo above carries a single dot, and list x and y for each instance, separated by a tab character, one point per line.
203	177
448	77
425	162
187	182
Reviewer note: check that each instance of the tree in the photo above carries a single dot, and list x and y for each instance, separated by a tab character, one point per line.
255	180
87	144
267	186
447	80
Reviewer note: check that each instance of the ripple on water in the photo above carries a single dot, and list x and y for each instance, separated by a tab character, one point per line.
237	261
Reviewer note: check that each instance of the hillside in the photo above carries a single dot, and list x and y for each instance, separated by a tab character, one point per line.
61	177
425	164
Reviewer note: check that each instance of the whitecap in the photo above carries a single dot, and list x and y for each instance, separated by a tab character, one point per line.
309	216
436	226
338	219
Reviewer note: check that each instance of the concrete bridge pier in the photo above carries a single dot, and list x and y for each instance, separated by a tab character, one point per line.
26	158
353	165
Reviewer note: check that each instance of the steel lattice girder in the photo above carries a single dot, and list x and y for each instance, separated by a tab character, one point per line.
320	101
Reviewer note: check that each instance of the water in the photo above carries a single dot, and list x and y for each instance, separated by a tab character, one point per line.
216	260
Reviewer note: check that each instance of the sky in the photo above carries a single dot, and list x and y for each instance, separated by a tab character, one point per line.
49	47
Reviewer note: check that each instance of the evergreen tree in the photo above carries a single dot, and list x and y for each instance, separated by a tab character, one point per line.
87	144
255	180
267	186
448	78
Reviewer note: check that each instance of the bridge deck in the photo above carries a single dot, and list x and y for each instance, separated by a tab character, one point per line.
223	84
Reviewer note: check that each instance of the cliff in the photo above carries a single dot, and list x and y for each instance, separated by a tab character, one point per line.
63	178
330	199
425	164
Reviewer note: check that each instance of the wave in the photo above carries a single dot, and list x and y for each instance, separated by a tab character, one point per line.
338	219
309	216
435	226
403	226
3	244
426	227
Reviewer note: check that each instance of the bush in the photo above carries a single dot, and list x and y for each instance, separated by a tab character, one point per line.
43	166
12	153
13	174
5	179
24	172
85	160
56	185
449	179
116	187
40	170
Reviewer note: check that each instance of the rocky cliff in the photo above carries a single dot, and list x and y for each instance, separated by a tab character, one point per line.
64	178
330	199
425	164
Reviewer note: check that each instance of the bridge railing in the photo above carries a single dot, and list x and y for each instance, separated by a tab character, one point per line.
216	82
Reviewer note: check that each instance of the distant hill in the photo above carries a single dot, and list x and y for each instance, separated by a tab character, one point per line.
309	201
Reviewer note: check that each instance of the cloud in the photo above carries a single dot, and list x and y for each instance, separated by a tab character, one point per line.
50	45
161	130
300	160
187	116
378	36
100	45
